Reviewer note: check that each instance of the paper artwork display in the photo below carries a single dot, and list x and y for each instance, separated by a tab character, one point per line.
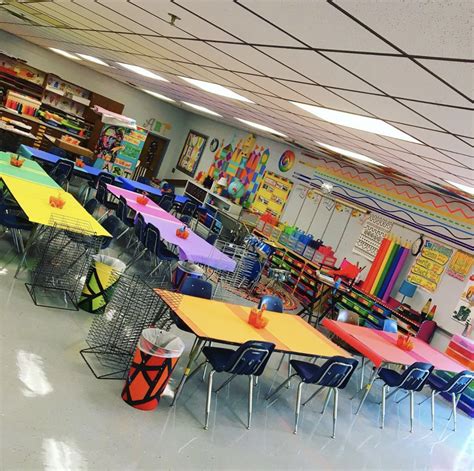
465	307
191	153
375	229
460	265
429	265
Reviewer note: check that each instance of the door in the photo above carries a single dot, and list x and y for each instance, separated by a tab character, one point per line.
152	155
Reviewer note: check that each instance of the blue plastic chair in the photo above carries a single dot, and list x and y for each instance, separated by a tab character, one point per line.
102	198
212	238
102	179
390	325
411	380
186	220
91	206
62	172
334	374
122	214
272	303
158	249
15	223
166	202
112	225
249	360
454	387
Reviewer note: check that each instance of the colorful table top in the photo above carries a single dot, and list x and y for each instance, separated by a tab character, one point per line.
34	201
381	347
142	187
225	322
29	171
32	153
194	248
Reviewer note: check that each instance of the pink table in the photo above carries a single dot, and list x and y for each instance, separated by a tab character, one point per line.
381	348
194	248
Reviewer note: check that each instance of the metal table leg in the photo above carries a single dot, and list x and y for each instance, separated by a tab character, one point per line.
33	235
368	387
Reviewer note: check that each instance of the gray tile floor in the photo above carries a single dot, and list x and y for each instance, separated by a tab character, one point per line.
55	415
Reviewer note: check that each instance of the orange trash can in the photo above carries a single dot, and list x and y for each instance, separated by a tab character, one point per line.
156	356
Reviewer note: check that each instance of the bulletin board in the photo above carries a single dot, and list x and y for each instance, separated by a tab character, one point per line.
191	153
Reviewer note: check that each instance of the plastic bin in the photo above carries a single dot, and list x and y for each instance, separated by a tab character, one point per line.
100	284
156	356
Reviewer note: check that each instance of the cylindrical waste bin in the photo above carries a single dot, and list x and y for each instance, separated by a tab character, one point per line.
155	358
100	284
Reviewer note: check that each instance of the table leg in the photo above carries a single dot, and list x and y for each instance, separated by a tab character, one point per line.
33	235
192	356
368	388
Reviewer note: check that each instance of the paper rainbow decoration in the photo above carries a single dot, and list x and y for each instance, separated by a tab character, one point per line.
287	160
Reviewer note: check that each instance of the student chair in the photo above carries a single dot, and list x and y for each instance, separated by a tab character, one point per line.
61	173
411	380
91	206
166	202
122	213
272	303
157	249
334	374
15	224
102	198
103	178
112	225
212	238
249	360
455	387
139	229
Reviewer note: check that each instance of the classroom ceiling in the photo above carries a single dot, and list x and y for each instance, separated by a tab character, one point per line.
408	63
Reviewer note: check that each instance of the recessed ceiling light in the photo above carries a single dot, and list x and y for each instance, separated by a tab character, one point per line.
157	95
216	89
93	59
355	121
261	127
140	70
201	108
65	54
350	154
460	186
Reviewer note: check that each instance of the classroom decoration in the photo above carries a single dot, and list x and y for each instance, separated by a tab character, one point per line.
287	160
191	153
375	229
386	268
429	266
460	265
272	194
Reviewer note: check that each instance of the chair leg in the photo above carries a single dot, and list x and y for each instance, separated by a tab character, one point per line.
326	402
403	398
225	383
298	406
289	371
362	368
412	409
313	395
281	361
208	400
204	371
382	418
334	413
455	403
432	409
249	419
279	387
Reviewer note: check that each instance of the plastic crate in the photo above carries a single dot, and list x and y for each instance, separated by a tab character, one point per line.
284	239
309	252
379	309
275	234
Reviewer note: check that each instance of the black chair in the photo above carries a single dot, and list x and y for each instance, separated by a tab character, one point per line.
139	230
157	249
187	209
14	222
166	202
186	220
455	387
212	238
122	213
103	178
192	287
249	360
411	380
62	172
334	374
111	224
102	197
91	206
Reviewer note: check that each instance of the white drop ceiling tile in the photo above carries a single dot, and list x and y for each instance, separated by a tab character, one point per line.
459	159
400	77
439	28
259	61
286	90
318	24
455	120
71	15
237	21
25	11
386	108
318	68
241	82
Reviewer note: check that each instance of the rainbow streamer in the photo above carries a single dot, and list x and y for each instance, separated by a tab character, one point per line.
396	273
368	282
382	267
393	265
386	269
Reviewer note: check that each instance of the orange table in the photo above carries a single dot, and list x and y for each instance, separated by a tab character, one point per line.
381	349
227	323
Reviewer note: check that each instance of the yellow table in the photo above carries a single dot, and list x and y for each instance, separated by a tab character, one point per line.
224	322
33	199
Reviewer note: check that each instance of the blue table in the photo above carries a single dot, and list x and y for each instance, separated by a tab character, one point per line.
36	154
133	185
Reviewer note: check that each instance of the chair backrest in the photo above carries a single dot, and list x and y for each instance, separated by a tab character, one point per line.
459	383
112	225
250	358
166	202
390	325
272	303
104	178
211	238
91	205
62	169
415	376
57	151
426	331
144	180
197	287
122	209
348	317
334	373
185	219
101	194
140	227
152	238
189	208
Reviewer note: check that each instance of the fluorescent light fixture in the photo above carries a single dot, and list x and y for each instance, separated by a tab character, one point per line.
93	59
158	95
460	186
64	53
201	108
350	154
141	71
216	89
261	127
355	121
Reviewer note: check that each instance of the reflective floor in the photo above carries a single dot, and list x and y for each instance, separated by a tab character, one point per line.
55	415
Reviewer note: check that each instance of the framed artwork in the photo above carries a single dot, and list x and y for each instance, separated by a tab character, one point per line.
191	153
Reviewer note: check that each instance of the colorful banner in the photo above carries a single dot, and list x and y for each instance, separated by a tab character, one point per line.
429	266
460	265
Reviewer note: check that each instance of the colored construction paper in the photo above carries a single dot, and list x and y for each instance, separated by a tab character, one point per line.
375	265
391	271
396	273
382	266
386	268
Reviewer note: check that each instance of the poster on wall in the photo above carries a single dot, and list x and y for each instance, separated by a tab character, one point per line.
374	230
191	153
429	266
465	306
460	265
